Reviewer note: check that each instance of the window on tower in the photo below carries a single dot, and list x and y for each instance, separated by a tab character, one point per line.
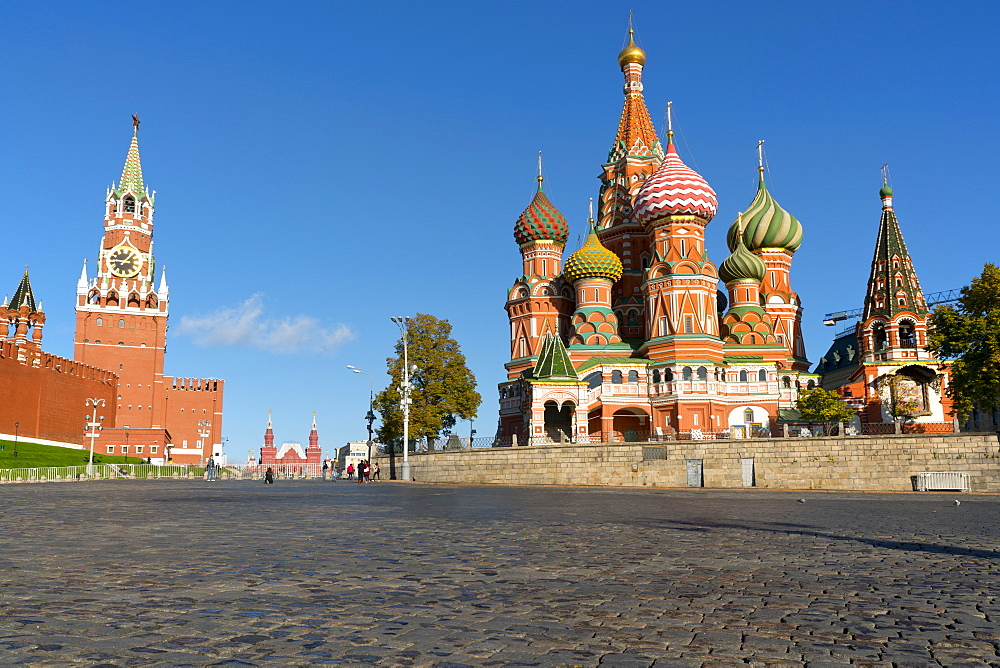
688	325
121	322
762	376
100	322
129	204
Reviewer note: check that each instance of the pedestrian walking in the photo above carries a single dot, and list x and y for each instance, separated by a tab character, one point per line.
269	476
375	472
210	469
361	471
350	471
326	469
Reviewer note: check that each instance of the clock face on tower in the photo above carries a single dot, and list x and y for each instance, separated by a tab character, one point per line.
124	261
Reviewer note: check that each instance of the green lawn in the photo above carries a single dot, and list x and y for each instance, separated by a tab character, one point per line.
32	455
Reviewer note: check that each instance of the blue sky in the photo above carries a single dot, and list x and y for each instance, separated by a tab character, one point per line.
321	167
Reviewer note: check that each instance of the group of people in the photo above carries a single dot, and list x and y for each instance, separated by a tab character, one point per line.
211	470
364	471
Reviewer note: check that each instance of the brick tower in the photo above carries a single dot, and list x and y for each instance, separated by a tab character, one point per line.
121	326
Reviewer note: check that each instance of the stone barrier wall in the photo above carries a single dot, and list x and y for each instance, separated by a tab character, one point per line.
862	463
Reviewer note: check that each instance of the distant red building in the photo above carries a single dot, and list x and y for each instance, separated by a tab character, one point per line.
290	456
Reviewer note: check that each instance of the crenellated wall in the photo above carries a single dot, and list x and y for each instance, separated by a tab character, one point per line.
884	463
47	394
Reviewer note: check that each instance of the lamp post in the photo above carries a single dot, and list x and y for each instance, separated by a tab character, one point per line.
204	431
16	425
370	416
94	426
405	388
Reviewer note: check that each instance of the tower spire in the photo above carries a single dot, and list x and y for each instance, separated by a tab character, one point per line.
670	124
132	171
760	159
23	296
540	177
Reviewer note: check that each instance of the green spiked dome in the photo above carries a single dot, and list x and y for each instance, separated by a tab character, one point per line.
593	260
767	225
742	265
541	221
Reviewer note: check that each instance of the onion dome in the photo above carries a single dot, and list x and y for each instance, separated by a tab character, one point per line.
541	221
593	260
631	53
886	191
674	189
767	225
742	265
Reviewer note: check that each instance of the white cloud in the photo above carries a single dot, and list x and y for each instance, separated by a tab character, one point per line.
245	325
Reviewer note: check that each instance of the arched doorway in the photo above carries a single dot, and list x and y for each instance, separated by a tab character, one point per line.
631	425
559	421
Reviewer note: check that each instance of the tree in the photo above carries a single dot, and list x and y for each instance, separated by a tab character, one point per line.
444	389
969	334
820	405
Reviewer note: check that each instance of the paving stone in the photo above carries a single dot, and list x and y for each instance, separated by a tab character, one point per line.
170	572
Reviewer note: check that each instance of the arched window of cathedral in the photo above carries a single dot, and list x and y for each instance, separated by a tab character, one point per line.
743	375
902	301
786	381
633	318
128	203
895	264
762	376
811	385
668	375
633	376
907	334
121	322
100	322
748	415
656	375
686	373
702	373
878	336
616	377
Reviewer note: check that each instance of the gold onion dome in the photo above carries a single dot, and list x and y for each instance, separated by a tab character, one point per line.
593	260
742	265
541	221
631	53
766	225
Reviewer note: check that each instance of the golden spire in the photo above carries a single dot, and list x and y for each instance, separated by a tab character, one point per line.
631	53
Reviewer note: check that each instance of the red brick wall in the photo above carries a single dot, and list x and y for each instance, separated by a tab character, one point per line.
50	401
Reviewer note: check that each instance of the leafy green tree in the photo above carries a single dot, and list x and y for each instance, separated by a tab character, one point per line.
820	405
969	334
444	389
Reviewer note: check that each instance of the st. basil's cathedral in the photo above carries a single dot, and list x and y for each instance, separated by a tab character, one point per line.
631	337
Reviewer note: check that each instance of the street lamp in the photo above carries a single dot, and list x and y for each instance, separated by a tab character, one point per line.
370	416
16	425
94	426
405	389
204	432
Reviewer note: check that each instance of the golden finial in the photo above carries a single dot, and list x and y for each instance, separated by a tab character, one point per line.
631	53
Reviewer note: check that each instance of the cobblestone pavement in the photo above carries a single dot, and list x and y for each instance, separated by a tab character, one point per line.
161	572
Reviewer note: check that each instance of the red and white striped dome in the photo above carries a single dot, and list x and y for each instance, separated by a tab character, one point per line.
675	189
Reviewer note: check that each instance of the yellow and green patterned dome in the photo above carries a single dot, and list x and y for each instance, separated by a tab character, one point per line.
742	265
593	260
541	221
766	225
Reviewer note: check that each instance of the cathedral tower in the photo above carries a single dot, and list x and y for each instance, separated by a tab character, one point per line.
539	303
894	324
634	156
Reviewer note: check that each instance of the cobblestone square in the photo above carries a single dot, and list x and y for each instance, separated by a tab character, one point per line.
186	572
